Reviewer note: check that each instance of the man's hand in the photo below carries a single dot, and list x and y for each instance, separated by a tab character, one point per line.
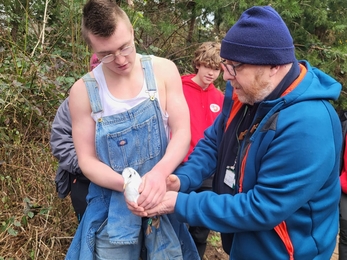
166	206
152	189
135	209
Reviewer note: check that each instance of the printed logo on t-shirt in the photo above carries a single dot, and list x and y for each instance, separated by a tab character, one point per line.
214	108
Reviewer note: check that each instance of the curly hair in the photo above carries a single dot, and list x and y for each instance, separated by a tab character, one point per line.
100	17
207	55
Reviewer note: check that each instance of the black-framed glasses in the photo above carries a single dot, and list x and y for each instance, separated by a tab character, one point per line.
124	52
233	66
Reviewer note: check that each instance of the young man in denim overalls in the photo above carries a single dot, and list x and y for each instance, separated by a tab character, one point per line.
123	113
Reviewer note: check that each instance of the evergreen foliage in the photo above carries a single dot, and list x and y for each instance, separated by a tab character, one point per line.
42	51
42	54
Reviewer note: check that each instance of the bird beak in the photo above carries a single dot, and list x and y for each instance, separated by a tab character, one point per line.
125	185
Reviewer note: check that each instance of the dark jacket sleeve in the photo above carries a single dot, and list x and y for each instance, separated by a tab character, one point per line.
63	149
61	140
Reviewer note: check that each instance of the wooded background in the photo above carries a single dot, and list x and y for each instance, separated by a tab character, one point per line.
42	54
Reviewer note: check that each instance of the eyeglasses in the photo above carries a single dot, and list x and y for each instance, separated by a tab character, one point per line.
233	66
124	52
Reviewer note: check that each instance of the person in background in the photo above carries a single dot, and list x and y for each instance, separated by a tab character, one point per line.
122	114
69	177
94	61
205	102
274	151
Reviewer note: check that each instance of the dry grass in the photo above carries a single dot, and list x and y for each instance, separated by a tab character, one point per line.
35	223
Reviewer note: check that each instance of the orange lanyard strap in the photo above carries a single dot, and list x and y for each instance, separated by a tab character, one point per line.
281	230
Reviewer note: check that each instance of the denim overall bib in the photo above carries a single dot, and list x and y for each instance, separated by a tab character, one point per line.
135	138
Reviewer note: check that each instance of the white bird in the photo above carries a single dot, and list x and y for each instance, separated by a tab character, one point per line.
132	181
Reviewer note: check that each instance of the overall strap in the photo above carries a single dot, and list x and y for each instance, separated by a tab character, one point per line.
147	67
93	93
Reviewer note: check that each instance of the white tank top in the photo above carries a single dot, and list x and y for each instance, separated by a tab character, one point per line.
112	105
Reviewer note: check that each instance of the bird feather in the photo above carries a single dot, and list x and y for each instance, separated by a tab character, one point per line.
132	181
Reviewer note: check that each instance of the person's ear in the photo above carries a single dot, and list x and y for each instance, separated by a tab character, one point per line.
274	69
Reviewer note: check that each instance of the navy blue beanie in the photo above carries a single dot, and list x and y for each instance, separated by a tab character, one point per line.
259	37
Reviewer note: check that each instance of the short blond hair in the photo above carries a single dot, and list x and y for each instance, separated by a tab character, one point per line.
208	55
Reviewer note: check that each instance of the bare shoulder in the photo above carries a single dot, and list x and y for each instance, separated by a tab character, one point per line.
79	96
163	64
78	86
165	69
161	60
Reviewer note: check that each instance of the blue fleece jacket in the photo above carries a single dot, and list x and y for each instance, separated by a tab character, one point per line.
286	205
